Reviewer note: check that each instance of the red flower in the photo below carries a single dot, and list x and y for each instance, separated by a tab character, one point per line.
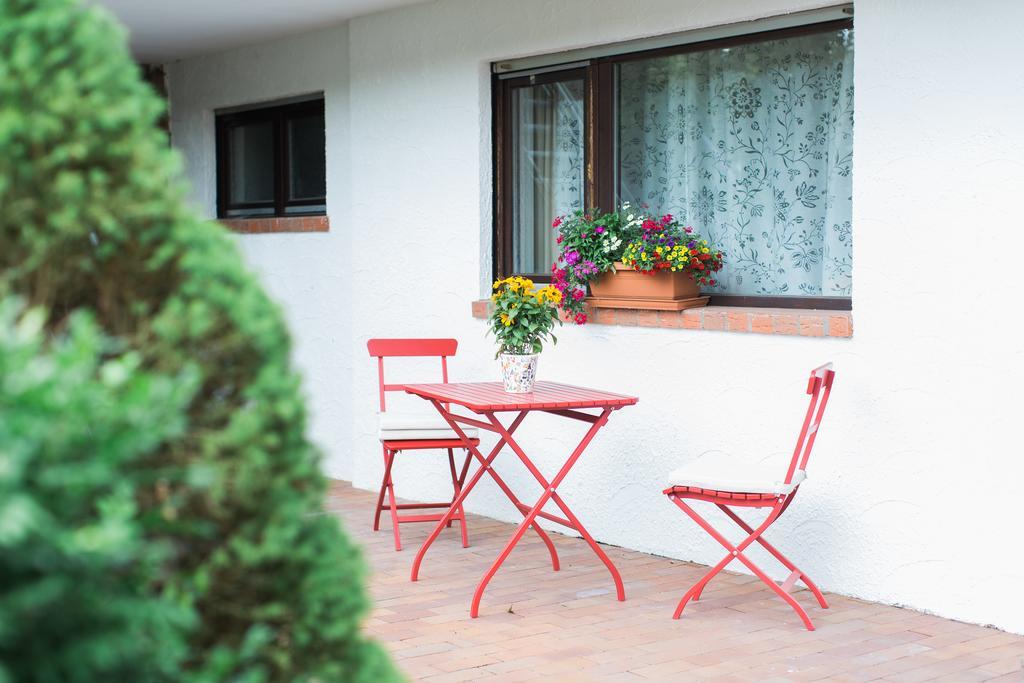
558	240
555	223
580	318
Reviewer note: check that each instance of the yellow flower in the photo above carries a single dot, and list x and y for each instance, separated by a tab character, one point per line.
505	320
705	250
550	293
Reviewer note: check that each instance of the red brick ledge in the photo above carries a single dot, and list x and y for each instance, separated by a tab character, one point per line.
785	321
255	226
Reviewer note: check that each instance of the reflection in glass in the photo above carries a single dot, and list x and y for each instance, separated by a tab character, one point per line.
306	172
252	162
547	167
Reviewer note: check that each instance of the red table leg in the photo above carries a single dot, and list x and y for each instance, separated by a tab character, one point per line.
549	493
485	466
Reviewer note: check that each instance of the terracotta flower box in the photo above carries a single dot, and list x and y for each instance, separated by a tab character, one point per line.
661	291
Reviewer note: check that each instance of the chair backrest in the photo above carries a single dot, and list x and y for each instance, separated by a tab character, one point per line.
385	348
819	386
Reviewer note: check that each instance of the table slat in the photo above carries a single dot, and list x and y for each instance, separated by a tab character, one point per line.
481	396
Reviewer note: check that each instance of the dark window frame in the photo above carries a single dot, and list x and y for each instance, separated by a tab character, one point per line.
600	143
279	117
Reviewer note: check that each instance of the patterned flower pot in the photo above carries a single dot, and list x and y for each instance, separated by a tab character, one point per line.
662	290
519	372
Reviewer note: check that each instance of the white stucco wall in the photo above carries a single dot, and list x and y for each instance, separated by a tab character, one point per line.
912	491
308	273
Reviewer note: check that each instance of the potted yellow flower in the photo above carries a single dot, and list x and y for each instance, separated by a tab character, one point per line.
521	320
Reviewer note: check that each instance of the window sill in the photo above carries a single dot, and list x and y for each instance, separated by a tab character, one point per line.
778	321
256	226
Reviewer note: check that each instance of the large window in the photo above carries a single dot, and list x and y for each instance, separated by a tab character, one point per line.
271	161
748	139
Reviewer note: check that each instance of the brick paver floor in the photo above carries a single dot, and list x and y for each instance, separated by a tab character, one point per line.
539	625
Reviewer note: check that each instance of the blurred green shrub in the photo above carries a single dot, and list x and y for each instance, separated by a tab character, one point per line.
173	508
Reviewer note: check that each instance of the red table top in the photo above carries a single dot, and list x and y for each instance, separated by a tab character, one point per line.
491	396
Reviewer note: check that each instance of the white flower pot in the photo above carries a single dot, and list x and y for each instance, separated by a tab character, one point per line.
519	372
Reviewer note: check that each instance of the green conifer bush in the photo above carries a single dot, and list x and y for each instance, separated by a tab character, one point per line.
202	492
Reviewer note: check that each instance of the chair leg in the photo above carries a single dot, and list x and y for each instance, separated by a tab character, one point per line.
460	513
736	552
392	503
451	467
462	510
383	488
799	574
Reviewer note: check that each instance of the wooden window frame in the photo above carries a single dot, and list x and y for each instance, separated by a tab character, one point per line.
599	149
278	116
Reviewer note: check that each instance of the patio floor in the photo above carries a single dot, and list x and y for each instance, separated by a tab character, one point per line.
536	624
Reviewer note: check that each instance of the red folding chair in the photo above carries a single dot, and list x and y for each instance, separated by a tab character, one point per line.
757	488
402	431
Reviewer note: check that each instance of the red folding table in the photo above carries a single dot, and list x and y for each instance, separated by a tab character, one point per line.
488	398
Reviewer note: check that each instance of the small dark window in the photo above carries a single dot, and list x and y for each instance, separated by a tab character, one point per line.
271	161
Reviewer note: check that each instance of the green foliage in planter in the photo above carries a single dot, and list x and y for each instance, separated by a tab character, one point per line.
218	492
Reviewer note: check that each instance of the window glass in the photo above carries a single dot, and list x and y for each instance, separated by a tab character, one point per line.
306	171
752	145
251	147
547	167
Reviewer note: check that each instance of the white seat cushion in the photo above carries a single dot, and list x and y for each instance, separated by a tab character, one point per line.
399	426
723	473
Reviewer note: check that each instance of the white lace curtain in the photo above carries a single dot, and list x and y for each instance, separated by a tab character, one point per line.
751	145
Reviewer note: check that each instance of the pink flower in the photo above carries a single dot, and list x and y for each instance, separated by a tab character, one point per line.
580	318
578	295
555	223
666	219
688	230
558	240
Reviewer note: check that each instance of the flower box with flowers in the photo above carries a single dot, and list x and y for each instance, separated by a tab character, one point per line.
631	260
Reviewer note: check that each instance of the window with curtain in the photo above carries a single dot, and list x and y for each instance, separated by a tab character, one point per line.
749	139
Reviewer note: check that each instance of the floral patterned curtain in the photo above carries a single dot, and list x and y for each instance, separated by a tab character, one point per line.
751	145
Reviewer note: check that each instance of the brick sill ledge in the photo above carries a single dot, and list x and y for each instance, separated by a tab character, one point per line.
782	321
258	226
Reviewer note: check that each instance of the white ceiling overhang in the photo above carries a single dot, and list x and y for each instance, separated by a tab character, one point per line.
166	30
